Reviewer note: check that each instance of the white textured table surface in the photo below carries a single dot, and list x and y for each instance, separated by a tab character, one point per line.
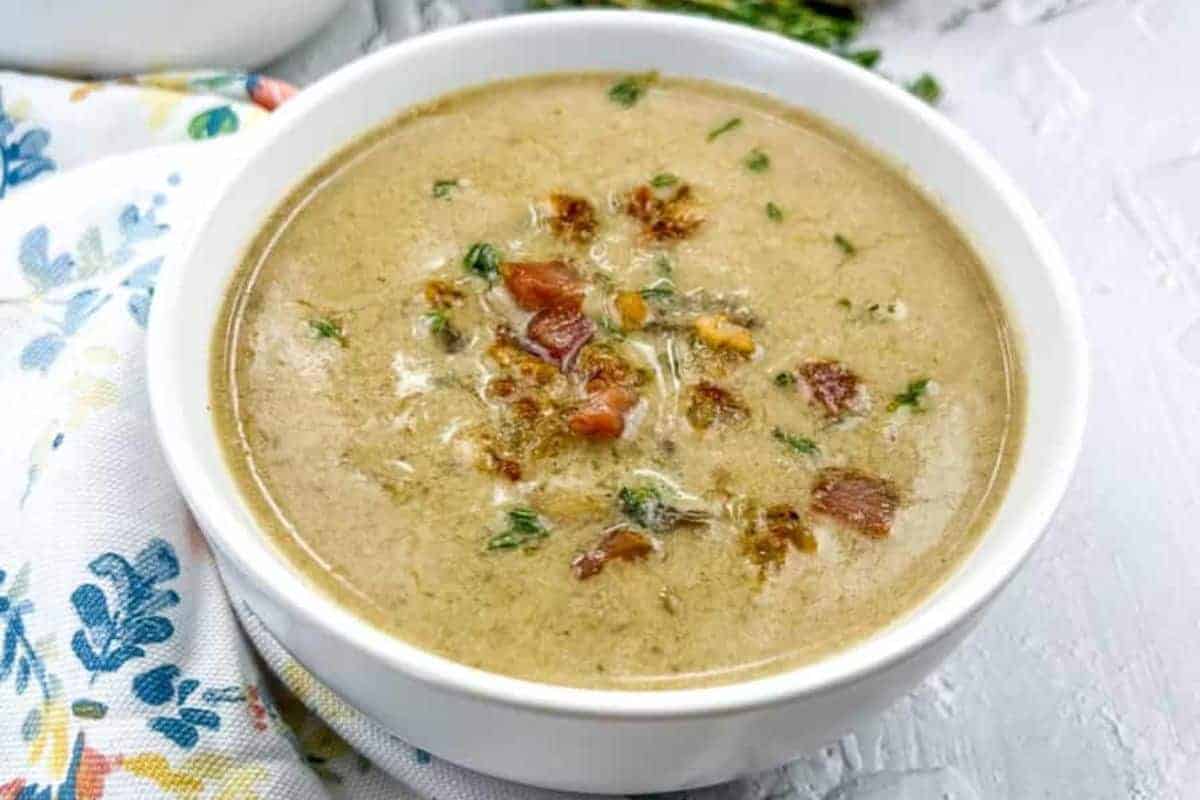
1084	680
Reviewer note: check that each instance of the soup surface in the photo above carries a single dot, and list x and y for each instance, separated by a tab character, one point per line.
617	381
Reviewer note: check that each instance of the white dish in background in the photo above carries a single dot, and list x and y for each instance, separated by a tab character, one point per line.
120	37
617	741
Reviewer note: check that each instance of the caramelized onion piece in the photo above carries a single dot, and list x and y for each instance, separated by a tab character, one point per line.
623	543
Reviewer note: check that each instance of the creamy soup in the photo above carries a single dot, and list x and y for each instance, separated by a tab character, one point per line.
617	381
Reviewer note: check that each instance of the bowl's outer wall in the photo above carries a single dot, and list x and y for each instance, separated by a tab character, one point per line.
576	754
120	37
616	741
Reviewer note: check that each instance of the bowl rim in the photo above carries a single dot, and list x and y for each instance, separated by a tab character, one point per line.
283	584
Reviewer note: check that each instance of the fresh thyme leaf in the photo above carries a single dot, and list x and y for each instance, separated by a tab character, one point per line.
664	179
927	88
484	260
757	161
724	127
911	396
438	320
820	23
864	58
800	444
524	529
825	24
660	291
844	244
325	328
784	379
627	91
774	212
443	189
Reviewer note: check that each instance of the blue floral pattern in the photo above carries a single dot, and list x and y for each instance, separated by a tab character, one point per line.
18	658
157	687
47	271
22	158
112	634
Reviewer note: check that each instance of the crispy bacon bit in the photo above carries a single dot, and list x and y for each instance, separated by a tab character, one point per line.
832	387
664	220
557	334
601	367
623	543
633	310
603	415
709	404
440	294
860	500
536	285
572	218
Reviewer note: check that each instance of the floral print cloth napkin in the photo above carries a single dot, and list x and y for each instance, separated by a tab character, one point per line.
125	670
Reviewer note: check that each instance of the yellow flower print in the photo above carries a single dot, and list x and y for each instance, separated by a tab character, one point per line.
209	775
49	747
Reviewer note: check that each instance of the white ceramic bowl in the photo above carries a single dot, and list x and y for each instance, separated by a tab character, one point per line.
118	37
617	741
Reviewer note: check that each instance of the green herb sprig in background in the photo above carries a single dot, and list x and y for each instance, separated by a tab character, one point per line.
524	529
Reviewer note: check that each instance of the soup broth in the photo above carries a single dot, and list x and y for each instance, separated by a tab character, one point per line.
617	381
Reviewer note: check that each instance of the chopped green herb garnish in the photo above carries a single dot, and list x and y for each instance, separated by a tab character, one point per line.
844	244
774	212
911	396
484	260
630	89
664	179
844	302
324	328
524	530
443	189
927	88
450	338
784	379
641	504
660	291
724	127
438	320
662	265
864	58
800	444
757	161
645	506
